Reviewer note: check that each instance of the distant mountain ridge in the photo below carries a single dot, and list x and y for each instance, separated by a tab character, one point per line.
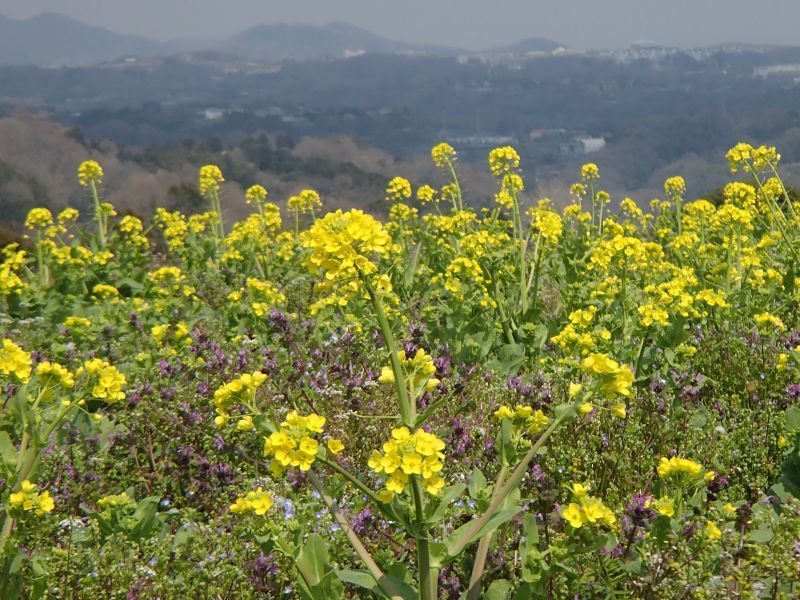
306	42
50	39
54	39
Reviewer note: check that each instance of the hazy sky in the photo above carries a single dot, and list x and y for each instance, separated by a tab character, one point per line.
465	23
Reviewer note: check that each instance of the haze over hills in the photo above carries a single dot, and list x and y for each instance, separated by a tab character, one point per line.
54	39
306	42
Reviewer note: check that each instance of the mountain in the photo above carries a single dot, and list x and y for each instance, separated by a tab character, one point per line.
308	42
53	39
527	46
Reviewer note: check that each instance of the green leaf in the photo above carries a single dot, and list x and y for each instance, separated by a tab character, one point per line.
524	592
411	267
459	536
498	590
762	535
793	419
531	528
699	418
505	442
509	358
364	579
145	517
8	452
477	483
313	560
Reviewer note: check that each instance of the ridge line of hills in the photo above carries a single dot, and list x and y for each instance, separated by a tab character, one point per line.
55	39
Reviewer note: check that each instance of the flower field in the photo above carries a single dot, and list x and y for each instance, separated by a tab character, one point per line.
535	399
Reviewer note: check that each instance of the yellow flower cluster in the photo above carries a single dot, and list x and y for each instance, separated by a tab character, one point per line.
132	228
589	172
675	187
256	194
27	498
55	374
177	228
162	334
255	235
256	501
15	361
615	379
402	213
90	172
443	155
39	218
624	253
524	418
13	261
425	194
671	467
406	455
587	509
169	281
104	291
398	189
209	179
108	381
116	501
574	338
547	223
419	372
77	323
243	389
305	201
769	323
663	506
503	160
343	242
293	445
747	158
263	296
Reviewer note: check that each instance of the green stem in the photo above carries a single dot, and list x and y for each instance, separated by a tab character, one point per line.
408	409
473	593
352	479
386	585
428	576
507	487
460	204
101	225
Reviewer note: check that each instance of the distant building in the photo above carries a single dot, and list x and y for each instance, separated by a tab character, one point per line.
582	146
792	70
213	114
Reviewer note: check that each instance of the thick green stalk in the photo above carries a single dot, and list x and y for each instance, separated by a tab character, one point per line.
386	585
428	576
408	409
473	593
460	204
507	487
101	223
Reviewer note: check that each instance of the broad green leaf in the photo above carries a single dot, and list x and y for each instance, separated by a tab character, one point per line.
793	419
498	590
8	452
461	535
